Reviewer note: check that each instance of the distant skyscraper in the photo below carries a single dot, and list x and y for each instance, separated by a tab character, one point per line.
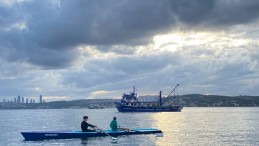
14	100
22	99
4	100
40	99
19	99
31	101
27	100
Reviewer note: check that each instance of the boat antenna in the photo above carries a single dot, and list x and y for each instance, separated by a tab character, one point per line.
171	92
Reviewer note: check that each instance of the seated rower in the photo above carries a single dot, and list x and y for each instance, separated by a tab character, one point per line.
85	125
114	125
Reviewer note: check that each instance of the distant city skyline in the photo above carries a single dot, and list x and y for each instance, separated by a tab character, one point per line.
18	99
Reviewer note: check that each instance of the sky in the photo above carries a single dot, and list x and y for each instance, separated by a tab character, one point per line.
88	49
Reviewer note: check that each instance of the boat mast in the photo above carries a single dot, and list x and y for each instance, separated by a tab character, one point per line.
171	93
134	93
160	98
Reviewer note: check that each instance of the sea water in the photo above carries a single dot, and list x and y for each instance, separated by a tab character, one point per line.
192	126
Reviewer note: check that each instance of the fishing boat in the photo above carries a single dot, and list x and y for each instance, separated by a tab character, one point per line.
41	135
131	103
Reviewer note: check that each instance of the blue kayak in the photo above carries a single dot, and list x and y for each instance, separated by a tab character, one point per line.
41	135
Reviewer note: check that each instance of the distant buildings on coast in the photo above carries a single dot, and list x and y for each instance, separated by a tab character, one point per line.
21	102
24	100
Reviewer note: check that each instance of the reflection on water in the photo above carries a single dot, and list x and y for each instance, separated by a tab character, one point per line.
171	124
209	126
192	126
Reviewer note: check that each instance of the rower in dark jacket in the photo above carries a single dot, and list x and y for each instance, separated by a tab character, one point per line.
85	125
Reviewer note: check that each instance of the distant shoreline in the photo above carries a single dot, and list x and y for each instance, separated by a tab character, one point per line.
190	100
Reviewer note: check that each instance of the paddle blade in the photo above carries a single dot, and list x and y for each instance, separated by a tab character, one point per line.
114	140
159	134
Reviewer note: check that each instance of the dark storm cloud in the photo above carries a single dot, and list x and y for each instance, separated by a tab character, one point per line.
120	70
17	48
53	30
128	22
215	13
102	23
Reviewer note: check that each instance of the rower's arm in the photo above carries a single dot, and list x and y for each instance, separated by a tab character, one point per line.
90	125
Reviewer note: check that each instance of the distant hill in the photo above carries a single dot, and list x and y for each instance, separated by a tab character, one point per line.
82	103
199	100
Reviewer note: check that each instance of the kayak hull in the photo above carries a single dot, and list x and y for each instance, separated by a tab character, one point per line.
41	135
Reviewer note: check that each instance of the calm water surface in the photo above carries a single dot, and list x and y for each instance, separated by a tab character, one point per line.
192	126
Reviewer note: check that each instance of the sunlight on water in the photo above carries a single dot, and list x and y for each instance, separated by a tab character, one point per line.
171	124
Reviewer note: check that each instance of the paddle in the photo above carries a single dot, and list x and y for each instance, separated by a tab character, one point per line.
113	138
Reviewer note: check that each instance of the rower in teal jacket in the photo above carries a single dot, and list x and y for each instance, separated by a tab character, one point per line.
114	126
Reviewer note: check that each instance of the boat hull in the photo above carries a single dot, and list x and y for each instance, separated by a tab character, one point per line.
41	135
122	108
